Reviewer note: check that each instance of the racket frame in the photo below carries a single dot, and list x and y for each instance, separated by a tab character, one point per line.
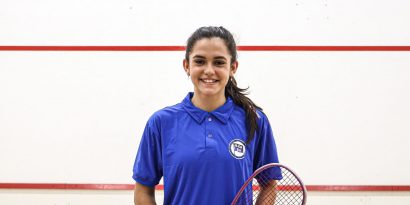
267	166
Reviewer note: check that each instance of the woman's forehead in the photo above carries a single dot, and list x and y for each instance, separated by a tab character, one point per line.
210	47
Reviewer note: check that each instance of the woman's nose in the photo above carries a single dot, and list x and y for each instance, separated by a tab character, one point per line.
209	69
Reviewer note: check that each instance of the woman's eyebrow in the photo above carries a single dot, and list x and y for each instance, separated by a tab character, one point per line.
220	57
198	56
216	58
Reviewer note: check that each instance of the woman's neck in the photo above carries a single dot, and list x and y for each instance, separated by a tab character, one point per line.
208	103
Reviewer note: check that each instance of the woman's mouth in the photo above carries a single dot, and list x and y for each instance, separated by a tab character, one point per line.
208	81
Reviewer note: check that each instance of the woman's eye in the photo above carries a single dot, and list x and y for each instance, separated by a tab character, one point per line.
219	63
199	62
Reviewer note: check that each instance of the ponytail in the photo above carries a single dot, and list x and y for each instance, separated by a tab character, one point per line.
238	96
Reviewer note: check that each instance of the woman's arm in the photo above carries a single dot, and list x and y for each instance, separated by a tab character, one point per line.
267	194
144	195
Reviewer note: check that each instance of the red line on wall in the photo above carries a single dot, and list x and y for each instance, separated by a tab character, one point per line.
66	186
182	48
324	48
92	48
358	188
352	188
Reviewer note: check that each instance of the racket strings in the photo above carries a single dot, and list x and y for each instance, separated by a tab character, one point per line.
266	190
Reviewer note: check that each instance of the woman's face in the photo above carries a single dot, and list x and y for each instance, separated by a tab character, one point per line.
210	67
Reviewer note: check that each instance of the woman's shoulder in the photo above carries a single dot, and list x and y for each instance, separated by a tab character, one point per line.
166	113
259	113
262	117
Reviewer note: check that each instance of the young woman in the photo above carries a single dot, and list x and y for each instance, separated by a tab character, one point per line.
206	146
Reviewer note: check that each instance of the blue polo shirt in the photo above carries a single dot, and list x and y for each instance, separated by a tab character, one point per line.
201	155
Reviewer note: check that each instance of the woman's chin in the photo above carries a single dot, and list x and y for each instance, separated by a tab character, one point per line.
209	92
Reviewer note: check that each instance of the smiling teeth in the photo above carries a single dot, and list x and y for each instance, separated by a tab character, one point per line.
209	81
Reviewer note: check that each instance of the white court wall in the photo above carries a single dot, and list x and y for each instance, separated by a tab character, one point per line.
77	117
159	22
51	197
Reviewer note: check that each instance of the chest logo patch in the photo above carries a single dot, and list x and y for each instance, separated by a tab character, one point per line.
237	149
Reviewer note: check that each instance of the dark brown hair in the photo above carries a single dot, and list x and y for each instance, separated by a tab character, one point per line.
232	90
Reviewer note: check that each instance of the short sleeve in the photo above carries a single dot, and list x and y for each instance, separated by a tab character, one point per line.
265	147
148	162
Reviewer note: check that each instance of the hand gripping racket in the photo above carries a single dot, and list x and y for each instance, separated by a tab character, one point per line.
273	184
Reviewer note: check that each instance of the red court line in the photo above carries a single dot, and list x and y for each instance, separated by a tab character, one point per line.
358	188
324	48
66	186
352	188
92	48
182	48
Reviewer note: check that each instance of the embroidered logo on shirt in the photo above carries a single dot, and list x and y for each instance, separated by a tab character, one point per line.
237	149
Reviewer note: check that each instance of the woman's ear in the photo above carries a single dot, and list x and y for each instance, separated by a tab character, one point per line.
185	64
234	68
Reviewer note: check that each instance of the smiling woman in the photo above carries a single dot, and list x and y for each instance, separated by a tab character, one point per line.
209	66
216	134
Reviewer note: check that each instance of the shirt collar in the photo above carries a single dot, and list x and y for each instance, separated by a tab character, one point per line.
222	113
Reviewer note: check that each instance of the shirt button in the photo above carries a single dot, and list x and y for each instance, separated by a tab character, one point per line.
209	135
209	119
